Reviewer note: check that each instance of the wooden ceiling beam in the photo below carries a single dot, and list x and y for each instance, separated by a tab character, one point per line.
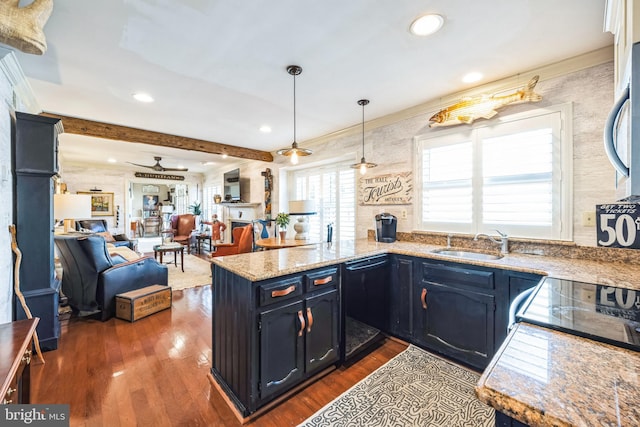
85	127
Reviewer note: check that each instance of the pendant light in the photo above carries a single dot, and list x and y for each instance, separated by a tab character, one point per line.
363	165
294	152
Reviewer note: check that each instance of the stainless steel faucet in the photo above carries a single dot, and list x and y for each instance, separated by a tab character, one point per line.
503	242
449	236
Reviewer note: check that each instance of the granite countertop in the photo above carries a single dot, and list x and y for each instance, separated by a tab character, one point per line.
262	265
548	378
539	376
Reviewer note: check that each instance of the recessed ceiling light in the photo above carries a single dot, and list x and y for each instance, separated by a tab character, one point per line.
472	77
426	24
225	155
265	129
112	160
209	163
142	97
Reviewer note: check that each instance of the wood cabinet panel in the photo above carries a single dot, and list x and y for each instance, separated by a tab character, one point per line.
281	348
456	322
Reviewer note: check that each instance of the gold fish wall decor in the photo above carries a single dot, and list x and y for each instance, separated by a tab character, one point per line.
483	107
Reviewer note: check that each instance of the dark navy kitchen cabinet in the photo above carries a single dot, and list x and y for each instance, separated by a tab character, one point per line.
297	340
269	336
401	296
454	311
514	284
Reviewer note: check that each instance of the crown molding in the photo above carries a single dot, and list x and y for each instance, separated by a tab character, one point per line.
546	72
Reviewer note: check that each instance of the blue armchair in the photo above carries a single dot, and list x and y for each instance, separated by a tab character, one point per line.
91	278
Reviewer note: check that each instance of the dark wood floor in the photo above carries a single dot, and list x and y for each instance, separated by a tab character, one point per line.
153	372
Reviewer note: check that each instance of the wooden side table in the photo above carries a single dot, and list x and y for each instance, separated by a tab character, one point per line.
15	360
170	247
202	238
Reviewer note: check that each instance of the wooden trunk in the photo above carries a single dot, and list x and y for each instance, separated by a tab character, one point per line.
134	305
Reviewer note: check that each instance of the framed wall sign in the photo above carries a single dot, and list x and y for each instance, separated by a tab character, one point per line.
388	189
101	203
618	225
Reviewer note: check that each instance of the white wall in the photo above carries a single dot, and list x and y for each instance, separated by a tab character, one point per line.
6	190
391	146
82	177
15	94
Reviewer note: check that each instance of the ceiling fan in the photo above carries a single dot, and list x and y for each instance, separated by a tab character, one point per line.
159	168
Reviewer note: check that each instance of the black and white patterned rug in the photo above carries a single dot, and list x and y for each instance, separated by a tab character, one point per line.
415	388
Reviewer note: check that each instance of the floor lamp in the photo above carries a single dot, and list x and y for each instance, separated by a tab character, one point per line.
68	207
302	208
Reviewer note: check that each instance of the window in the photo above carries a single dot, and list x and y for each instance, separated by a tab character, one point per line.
180	199
506	176
208	206
334	191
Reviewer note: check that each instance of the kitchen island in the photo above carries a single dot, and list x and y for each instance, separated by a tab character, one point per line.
246	288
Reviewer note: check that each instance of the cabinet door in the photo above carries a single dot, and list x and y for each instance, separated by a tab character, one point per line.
281	348
401	316
321	340
458	323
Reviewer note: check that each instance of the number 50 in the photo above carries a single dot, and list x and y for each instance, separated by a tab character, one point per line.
617	233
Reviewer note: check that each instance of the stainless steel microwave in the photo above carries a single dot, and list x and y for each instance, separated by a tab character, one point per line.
622	135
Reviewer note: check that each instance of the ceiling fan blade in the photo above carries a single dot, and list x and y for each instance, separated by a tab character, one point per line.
175	169
158	167
142	166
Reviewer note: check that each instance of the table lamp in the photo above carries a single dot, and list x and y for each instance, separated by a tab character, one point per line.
68	207
302	208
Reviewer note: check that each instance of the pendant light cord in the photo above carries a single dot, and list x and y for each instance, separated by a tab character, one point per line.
294	108
363	104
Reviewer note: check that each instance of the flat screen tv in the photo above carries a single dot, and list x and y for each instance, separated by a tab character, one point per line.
232	186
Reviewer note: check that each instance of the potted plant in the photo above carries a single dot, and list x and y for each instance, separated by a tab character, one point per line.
196	209
282	220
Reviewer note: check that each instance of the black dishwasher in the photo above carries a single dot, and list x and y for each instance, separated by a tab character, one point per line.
366	303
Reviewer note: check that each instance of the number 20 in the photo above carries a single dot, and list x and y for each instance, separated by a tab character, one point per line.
613	234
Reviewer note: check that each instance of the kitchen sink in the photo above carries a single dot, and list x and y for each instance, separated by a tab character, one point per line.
466	254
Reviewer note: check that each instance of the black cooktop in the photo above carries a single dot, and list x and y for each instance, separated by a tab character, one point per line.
603	313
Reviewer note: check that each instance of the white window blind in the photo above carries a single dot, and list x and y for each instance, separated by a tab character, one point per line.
505	176
333	190
208	206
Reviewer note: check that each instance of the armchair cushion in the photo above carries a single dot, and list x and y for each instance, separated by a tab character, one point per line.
107	236
99	226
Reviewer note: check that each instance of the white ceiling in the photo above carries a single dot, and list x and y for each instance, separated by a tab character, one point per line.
217	69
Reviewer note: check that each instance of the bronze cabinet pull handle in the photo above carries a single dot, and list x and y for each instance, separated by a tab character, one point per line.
423	298
323	281
310	317
283	292
302	323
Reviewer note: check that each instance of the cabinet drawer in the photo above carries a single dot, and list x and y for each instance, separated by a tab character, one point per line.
281	290
322	279
458	276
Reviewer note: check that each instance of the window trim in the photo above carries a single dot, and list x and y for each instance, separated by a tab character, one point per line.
566	165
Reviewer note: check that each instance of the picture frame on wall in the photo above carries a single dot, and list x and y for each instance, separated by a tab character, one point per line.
150	202
101	203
